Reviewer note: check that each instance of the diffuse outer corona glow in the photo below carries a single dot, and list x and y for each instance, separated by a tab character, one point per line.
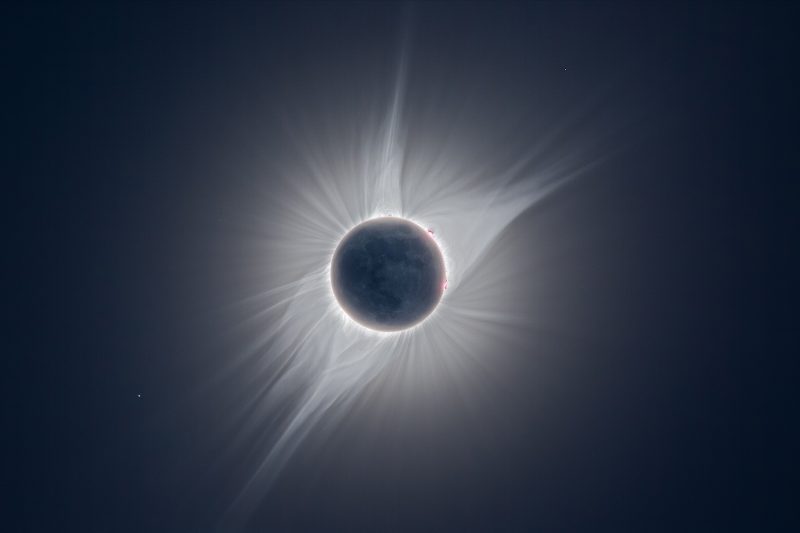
313	360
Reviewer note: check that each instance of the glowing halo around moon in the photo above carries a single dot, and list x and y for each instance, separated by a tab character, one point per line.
307	361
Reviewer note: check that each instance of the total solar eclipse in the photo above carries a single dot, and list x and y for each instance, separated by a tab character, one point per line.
388	274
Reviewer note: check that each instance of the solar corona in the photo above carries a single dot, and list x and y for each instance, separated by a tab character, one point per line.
371	265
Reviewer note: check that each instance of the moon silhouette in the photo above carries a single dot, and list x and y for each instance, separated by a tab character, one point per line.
388	274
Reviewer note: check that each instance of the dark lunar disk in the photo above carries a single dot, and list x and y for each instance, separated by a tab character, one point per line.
388	274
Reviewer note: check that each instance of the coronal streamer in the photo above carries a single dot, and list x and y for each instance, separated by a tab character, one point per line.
310	361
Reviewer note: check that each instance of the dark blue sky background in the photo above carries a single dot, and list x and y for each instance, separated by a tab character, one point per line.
672	406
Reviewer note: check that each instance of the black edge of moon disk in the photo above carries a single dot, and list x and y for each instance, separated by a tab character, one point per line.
388	274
